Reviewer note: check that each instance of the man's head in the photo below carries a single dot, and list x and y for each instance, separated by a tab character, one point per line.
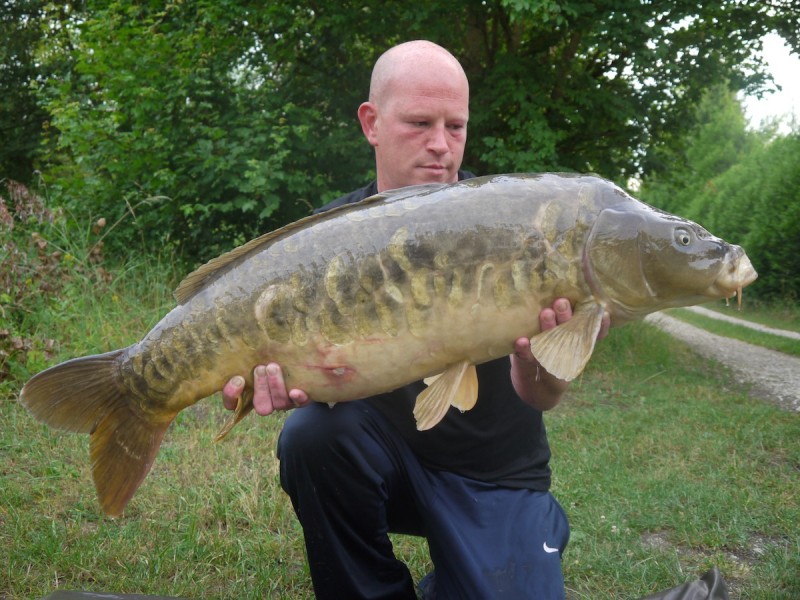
416	116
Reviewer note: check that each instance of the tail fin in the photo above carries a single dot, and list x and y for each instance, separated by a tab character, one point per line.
86	395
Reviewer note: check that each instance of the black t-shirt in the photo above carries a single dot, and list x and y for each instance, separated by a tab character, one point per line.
501	440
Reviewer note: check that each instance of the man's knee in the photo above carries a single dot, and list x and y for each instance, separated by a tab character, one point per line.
318	428
322	449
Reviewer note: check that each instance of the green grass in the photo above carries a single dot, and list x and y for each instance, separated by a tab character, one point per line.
665	472
663	469
779	315
739	332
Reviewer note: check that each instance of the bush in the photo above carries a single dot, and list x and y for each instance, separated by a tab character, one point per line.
36	262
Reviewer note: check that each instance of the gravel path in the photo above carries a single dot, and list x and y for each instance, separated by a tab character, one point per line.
771	375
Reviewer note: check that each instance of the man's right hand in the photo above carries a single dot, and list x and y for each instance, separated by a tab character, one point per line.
269	391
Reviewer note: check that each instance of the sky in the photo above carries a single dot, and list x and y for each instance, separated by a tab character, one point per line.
785	69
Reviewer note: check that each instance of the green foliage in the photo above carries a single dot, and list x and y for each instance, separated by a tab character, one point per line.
159	108
773	235
41	254
743	186
716	142
592	86
209	122
21	118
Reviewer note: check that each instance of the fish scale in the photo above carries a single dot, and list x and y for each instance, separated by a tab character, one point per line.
368	297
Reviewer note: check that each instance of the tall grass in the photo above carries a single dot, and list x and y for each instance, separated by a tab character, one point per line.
53	271
664	466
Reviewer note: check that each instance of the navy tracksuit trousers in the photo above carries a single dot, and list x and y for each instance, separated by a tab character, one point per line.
352	479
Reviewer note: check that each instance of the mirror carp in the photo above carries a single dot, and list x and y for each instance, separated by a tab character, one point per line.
409	284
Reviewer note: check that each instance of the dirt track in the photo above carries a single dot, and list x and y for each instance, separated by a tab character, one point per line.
771	375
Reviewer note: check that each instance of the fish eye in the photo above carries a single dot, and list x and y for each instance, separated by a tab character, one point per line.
683	237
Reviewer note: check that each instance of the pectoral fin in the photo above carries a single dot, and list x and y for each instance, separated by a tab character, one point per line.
244	404
429	380
456	386
564	350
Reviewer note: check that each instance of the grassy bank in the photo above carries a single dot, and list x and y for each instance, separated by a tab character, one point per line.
663	468
667	467
780	315
759	316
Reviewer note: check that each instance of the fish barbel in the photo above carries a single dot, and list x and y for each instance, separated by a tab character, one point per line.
371	296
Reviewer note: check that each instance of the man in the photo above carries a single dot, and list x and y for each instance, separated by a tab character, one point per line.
477	484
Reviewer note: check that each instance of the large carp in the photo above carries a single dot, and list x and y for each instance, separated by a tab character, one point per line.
371	296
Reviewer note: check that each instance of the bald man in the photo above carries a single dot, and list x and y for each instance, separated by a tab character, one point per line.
476	485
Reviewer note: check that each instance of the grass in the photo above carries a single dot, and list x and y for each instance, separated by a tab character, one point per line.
665	472
662	467
779	315
740	332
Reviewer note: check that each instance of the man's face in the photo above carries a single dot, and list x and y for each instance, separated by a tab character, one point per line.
419	129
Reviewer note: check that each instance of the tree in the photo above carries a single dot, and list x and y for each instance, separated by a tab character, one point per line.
743	186
162	118
718	140
21	118
239	115
773	237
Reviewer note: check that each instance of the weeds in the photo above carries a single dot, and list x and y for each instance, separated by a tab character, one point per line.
49	266
29	269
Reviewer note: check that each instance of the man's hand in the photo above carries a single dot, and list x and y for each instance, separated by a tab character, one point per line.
531	381
548	319
269	391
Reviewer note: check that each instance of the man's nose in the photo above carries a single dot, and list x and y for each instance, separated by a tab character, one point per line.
437	140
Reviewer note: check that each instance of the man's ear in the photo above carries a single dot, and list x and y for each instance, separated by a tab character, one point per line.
368	116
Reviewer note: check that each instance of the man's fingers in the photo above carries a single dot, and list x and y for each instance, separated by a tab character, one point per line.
298	397
522	349
560	313
231	392
547	319
269	391
266	380
563	310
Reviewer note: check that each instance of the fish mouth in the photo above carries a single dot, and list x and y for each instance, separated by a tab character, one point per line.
737	273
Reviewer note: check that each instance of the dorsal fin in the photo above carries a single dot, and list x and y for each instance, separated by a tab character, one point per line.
198	279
